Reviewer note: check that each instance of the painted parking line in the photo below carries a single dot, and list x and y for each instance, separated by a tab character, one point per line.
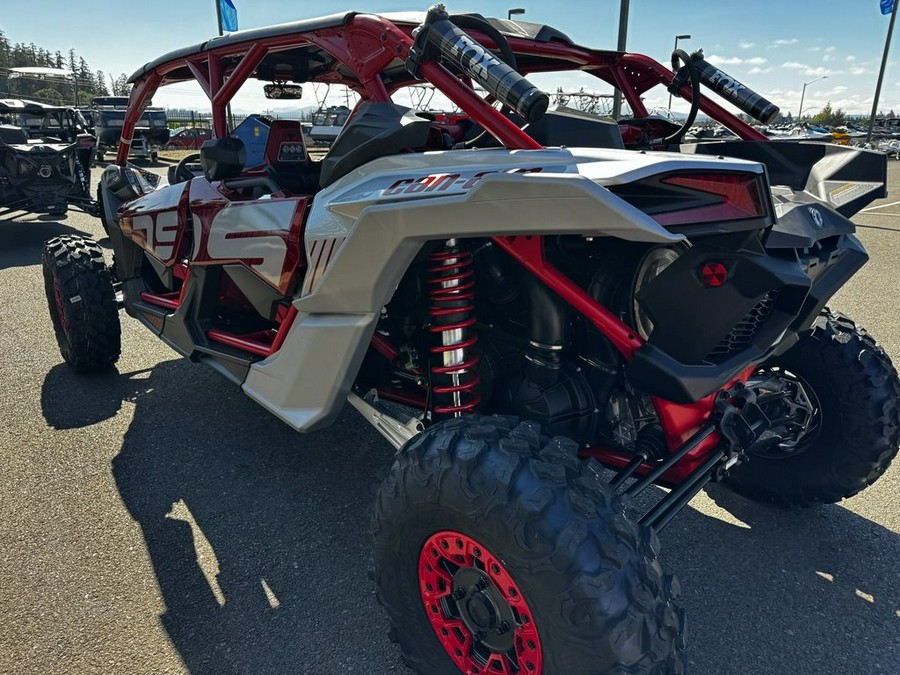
883	206
877	227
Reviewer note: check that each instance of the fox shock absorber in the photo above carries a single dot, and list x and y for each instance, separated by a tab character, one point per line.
454	361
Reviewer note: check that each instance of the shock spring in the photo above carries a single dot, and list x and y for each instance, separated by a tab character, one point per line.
454	361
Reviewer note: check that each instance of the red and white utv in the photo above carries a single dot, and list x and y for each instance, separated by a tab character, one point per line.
517	304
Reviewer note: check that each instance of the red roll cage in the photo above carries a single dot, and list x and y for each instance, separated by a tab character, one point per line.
366	53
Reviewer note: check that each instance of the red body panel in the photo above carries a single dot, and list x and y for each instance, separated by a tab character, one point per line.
276	244
155	222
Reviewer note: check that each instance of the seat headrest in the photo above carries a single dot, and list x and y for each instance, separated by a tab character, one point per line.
222	158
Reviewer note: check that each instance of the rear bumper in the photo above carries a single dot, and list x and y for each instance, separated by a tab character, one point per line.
805	281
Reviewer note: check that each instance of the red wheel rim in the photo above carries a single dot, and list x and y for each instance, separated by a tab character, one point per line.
477	611
57	296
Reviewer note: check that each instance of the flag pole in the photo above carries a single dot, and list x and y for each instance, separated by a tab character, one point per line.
887	46
219	15
219	22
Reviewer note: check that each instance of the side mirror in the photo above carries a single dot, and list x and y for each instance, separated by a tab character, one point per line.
283	91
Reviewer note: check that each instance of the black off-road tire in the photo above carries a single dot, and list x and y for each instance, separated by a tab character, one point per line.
82	303
859	419
589	573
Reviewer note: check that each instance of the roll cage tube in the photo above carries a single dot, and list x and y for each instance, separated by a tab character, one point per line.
437	38
140	94
366	44
632	74
439	34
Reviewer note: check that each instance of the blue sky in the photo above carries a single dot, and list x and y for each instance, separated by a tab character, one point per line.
774	47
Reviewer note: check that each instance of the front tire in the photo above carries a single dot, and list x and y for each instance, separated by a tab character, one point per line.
858	420
82	303
497	550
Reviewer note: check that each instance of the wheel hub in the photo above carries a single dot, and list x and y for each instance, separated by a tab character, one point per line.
476	609
483	609
794	411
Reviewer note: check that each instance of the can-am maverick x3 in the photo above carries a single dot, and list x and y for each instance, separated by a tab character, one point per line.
583	294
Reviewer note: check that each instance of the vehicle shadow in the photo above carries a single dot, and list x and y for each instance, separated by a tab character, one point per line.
258	536
22	240
70	400
774	590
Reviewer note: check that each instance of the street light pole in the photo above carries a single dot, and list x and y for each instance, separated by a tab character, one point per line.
803	95
623	34
884	58
511	12
677	38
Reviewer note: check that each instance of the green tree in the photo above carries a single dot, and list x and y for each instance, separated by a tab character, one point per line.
120	86
48	95
829	117
101	89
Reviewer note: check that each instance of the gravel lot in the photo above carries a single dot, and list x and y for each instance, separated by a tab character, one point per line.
153	520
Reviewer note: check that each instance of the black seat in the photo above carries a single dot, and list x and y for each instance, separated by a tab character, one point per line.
223	158
12	135
375	130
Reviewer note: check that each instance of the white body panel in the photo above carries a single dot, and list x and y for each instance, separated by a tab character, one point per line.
374	226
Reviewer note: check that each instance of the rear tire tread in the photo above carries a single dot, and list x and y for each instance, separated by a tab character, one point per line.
528	480
866	441
92	340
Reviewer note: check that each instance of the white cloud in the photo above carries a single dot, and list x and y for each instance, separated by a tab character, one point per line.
830	49
814	49
817	71
794	65
839	89
746	45
782	43
827	58
851	58
717	60
755	61
859	71
756	70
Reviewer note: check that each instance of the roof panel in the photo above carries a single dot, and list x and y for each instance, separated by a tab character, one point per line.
245	36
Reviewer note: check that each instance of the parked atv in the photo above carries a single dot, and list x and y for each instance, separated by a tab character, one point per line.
45	158
584	294
107	115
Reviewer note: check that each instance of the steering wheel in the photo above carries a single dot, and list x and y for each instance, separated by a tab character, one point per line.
182	173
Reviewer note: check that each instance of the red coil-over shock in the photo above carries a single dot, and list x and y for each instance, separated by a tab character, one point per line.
454	361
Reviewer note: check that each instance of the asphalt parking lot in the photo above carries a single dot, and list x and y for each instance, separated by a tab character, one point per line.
154	520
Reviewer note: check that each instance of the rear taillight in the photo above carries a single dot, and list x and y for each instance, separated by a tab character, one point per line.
739	196
704	198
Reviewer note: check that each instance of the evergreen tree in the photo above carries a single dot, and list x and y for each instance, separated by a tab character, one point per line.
100	81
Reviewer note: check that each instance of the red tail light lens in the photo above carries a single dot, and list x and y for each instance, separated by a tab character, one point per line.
740	194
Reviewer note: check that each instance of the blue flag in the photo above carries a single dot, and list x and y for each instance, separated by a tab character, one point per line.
887	6
229	15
